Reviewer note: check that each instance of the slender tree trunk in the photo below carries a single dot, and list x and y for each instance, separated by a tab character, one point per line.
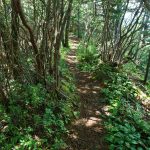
78	27
66	33
95	8
147	69
38	64
3	97
14	42
65	41
58	39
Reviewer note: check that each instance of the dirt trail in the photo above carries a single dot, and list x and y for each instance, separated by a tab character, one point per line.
86	132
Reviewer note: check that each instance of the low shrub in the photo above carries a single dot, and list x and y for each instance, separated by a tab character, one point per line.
36	117
87	56
126	125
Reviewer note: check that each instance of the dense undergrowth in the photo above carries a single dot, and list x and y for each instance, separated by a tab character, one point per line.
126	120
36	117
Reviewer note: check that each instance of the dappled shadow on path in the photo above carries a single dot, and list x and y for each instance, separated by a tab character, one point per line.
86	132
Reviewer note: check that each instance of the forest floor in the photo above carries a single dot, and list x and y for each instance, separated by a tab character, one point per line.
87	131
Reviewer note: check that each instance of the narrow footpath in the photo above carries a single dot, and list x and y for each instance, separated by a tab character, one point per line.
86	132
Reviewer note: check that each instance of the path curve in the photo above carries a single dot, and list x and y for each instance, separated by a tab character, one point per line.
86	132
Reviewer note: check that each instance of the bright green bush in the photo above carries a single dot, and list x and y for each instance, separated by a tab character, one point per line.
125	125
87	56
36	118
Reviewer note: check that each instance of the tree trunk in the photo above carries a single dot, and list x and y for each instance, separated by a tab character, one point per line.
38	64
3	97
147	69
57	44
78	26
14	42
66	33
